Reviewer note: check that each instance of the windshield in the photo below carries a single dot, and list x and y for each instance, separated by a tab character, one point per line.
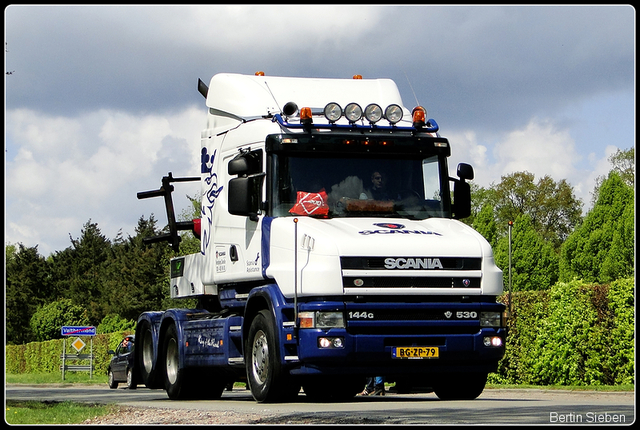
346	186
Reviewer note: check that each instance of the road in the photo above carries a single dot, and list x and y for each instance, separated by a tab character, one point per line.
494	406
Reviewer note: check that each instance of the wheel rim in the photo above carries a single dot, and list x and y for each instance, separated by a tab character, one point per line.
147	352
129	377
111	378
260	357
172	361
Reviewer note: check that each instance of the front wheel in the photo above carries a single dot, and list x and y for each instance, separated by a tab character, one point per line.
318	390
112	380
465	386
267	380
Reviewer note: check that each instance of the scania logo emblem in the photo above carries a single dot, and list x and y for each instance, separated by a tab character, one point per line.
448	314
389	225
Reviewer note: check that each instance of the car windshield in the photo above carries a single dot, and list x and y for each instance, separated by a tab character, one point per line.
342	186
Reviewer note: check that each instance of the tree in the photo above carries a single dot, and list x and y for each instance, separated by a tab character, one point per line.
485	224
601	249
78	270
47	321
113	323
622	162
534	262
136	274
28	286
552	207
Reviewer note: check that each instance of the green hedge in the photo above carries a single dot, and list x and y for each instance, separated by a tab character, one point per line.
44	357
573	334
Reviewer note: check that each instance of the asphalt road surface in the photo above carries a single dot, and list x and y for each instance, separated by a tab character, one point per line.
494	406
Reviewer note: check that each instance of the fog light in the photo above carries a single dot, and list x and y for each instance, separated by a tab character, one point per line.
393	114
332	112
330	342
353	112
494	341
373	113
324	342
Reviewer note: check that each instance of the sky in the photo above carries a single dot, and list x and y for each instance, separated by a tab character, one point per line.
102	101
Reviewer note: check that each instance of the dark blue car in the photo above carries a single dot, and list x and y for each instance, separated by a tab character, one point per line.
121	366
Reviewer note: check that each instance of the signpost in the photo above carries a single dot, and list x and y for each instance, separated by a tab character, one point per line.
78	344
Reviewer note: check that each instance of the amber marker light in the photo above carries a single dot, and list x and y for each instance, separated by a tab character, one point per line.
419	115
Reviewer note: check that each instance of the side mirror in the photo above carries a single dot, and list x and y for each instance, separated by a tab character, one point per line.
462	192
244	195
465	171
246	163
111	352
245	191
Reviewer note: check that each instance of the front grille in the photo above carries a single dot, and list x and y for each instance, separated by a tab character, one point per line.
379	263
411	330
409	282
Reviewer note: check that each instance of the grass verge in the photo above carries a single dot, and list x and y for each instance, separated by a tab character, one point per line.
30	412
55	378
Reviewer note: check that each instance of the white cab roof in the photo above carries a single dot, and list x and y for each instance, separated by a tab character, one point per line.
249	96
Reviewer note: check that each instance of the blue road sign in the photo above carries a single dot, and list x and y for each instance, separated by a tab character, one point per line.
78	331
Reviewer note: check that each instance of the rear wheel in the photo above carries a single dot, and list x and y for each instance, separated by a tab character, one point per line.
145	363
131	384
465	386
267	380
176	379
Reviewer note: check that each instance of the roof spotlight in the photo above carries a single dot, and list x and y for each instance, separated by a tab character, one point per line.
393	114
332	112
373	113
353	112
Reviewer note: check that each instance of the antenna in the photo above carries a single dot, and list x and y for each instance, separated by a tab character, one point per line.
274	97
411	86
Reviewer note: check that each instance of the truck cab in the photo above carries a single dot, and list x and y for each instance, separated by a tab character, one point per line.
330	231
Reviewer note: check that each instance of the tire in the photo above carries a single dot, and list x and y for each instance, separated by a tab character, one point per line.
112	380
176	380
146	359
131	383
318	390
266	378
466	386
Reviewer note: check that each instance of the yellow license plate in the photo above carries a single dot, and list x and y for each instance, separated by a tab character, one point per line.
415	352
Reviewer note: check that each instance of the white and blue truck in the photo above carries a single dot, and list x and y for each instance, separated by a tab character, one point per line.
331	251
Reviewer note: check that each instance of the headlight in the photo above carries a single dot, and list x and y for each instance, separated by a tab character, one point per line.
373	113
490	319
321	319
329	319
393	113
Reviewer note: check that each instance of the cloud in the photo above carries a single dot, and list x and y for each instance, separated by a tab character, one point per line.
103	99
66	171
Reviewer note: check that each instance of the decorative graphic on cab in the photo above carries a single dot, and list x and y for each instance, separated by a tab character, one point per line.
209	198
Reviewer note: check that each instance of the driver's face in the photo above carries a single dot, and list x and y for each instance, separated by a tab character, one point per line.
376	179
